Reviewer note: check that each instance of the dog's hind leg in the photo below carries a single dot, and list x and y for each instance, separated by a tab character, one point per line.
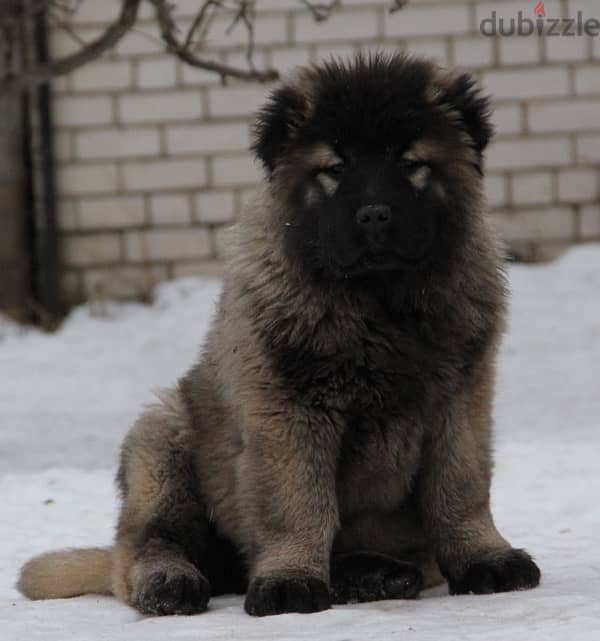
164	534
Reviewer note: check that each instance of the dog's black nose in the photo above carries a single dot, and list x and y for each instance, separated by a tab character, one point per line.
374	218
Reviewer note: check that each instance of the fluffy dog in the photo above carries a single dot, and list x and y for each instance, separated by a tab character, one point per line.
333	442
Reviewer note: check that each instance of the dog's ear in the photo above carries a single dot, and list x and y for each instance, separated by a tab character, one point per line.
463	95
276	124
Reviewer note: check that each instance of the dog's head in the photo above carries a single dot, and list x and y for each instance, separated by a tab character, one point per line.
377	164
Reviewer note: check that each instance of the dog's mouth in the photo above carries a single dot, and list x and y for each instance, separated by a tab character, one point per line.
385	261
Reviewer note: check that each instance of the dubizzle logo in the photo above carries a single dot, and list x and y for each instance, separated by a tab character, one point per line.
542	25
540	10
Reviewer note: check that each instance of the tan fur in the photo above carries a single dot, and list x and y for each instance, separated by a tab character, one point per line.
320	155
420	177
146	464
328	183
435	151
67	573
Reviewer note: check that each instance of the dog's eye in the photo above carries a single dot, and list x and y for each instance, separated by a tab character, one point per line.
334	170
411	166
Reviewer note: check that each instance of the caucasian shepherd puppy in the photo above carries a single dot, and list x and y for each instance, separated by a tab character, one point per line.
333	442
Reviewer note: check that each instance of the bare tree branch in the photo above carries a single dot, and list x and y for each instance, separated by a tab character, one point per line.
321	10
200	20
44	72
168	29
397	5
15	76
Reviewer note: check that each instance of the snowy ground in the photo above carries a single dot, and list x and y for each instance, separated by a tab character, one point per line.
66	401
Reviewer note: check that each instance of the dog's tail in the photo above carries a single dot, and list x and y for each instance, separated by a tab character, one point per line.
66	573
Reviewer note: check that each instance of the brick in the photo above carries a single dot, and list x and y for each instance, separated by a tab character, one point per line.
271	30
587	80
578	185
220	36
87	179
164	174
532	188
589	222
572	115
588	148
268	5
508	119
496	190
208	138
236	101
102	76
473	52
170	209
527	83
195	77
95	249
123	282
238	59
414	21
565	48
158	72
235	170
62	145
529	153
329	51
75	111
204	268
167	244
187	8
519	51
117	143
67	214
430	48
145	41
173	106
536	224
114	212
347	25
589	8
94	11
288	58
215	207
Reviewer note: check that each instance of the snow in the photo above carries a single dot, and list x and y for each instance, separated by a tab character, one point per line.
67	399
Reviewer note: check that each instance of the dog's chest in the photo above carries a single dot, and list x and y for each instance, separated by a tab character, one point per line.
378	462
384	395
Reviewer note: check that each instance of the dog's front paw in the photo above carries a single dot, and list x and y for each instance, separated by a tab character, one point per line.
280	594
510	570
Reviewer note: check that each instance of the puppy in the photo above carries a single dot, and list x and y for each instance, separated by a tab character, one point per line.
333	443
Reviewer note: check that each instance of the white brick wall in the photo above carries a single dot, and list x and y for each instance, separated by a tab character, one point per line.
153	160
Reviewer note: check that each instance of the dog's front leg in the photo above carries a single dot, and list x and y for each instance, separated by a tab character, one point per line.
288	486
454	498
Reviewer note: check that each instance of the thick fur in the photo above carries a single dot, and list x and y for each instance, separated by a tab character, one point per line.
67	573
334	439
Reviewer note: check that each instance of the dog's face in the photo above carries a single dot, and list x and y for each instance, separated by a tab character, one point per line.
377	164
